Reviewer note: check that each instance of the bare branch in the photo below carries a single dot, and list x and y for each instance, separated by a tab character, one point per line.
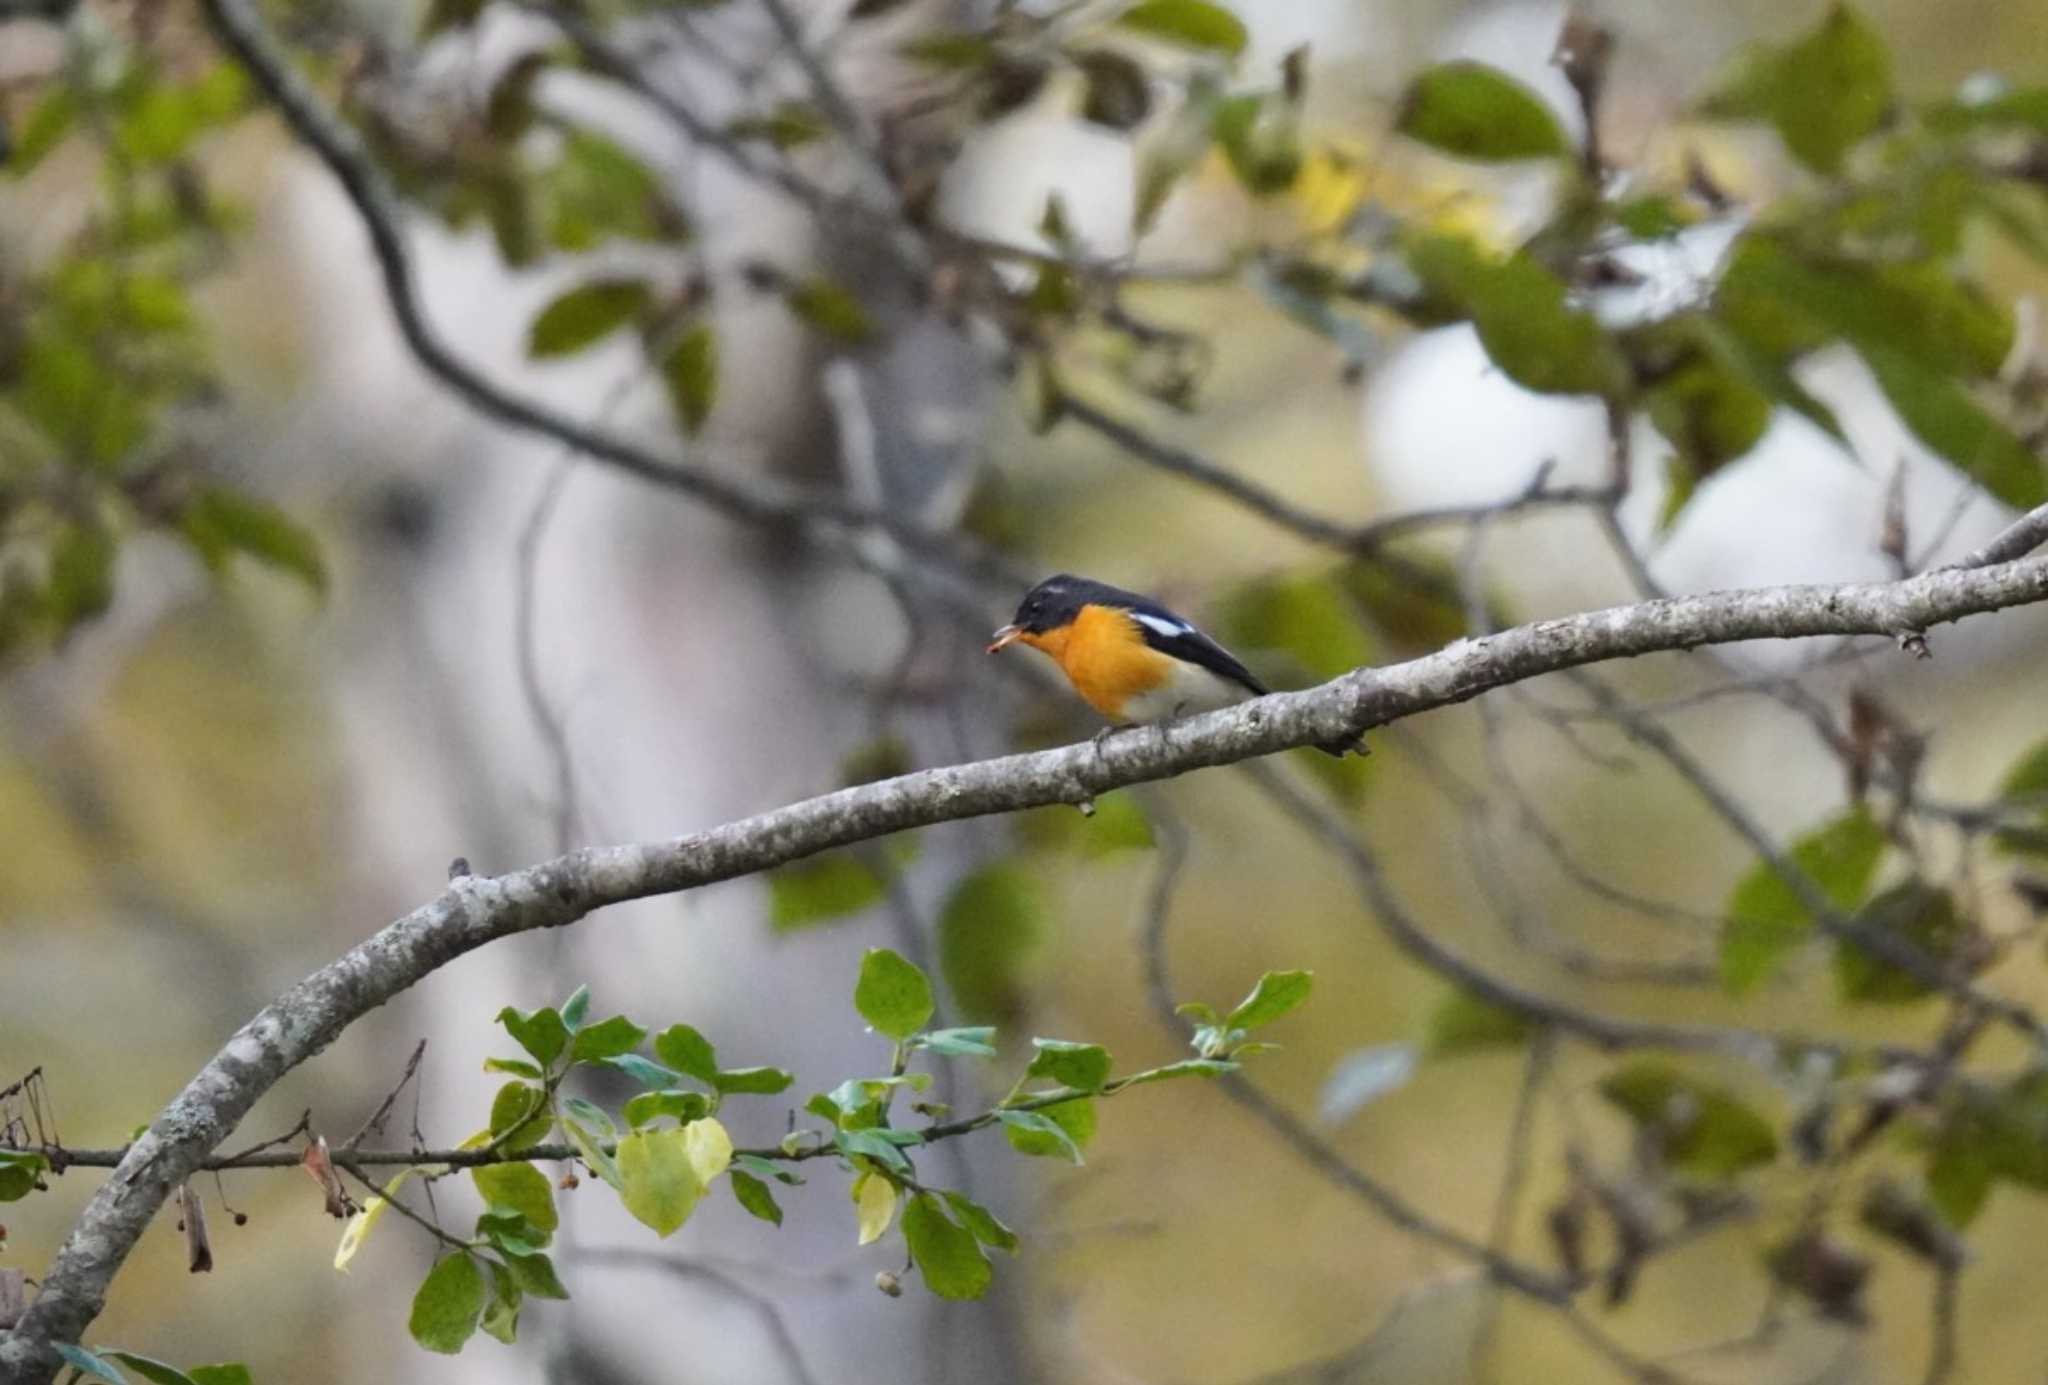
2017	541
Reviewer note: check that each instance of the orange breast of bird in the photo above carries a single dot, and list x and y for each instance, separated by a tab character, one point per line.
1104	655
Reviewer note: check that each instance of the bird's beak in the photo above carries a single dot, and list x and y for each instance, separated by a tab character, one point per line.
1009	634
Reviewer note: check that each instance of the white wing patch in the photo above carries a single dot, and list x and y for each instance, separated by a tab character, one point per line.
1161	625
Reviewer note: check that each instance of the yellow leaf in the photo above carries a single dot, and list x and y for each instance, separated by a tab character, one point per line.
364	1222
709	1147
874	1203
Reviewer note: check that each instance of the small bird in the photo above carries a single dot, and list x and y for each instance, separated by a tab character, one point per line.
1130	658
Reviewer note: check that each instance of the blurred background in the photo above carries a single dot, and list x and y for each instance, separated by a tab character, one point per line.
228	779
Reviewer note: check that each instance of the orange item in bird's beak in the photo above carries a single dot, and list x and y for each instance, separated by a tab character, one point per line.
1009	634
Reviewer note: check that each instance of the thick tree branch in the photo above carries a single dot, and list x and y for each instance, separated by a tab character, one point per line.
479	910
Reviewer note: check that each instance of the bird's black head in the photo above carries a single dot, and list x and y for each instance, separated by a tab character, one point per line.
1049	605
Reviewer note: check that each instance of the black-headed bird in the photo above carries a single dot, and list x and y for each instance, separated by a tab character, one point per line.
1129	657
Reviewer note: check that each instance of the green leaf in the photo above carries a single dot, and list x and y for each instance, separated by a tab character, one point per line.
830	309
1703	1128
1710	413
690	370
598	191
517	1067
1767	372
2026	782
974	1041
1261	137
647	1073
1922	915
606	1039
1277	993
1307	618
534	1273
1942	415
873	1145
1186	1067
1472	111
821	888
524	1189
648	1107
1117	824
789	125
81	583
508	1229
220	522
1788	300
755	1196
658	1183
1824	94
43	130
1084	1067
1990	1133
1465	1023
753	1081
81	1359
19	1171
159	1372
576	1009
947	1255
1520	312
993	937
1194	23
1407	617
765	1168
524	1106
1057	1131
2024	107
1766	920
1958	1177
226	1373
449	1303
953	50
892	995
586	315
588	1128
688	1052
541	1032
501	1314
984	1224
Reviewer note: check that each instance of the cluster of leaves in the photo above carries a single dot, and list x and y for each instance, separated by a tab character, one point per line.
1869	260
545	184
102	348
666	1146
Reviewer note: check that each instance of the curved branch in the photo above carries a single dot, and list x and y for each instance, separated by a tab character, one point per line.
476	910
749	497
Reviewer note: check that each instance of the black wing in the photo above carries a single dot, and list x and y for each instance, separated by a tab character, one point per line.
1169	634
